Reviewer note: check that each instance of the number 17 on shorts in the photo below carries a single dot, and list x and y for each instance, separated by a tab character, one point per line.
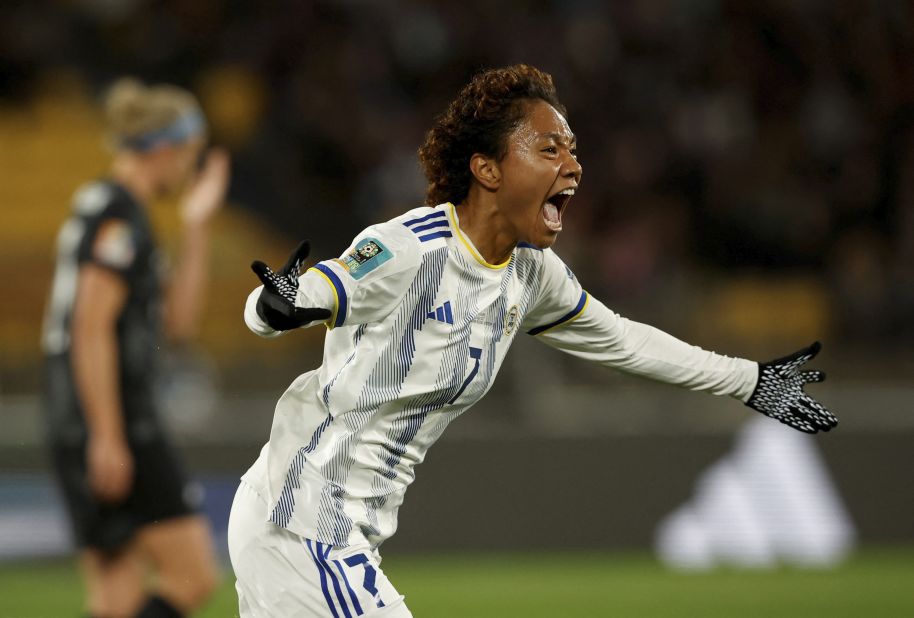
353	584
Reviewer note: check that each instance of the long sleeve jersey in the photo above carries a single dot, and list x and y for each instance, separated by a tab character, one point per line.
420	326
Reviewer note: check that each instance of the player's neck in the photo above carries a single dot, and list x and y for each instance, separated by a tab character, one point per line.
130	173
486	227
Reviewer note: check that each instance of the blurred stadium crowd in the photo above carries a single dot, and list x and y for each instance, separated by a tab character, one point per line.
746	160
748	185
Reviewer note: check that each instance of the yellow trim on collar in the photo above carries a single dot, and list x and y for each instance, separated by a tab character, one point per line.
336	297
452	215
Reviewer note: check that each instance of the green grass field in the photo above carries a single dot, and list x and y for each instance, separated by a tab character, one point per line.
874	584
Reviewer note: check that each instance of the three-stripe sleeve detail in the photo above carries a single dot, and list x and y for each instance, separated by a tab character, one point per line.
435	223
432	215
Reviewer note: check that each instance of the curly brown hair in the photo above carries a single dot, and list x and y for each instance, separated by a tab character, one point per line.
479	120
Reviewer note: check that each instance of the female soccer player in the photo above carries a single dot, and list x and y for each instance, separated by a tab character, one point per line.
422	310
130	505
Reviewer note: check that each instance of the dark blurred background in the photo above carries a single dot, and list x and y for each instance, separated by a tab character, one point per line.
748	186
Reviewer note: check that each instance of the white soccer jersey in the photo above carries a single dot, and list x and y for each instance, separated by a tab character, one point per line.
420	327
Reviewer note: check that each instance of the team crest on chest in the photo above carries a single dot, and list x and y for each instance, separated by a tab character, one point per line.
512	317
367	255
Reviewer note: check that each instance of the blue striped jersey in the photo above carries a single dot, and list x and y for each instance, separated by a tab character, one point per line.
420	326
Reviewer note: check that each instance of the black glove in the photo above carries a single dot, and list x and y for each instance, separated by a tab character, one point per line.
276	305
779	393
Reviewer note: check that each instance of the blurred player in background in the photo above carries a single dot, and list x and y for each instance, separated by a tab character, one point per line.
130	503
422	310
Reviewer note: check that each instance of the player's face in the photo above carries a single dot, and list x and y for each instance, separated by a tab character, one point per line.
178	164
539	174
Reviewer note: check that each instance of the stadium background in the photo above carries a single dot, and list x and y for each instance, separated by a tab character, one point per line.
748	187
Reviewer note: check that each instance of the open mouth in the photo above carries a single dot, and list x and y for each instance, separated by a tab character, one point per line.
553	207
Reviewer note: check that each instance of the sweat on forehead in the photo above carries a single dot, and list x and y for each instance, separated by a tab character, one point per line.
543	121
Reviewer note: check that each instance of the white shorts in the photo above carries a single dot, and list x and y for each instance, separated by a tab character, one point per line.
280	574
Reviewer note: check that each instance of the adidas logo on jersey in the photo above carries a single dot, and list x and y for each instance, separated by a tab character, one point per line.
442	313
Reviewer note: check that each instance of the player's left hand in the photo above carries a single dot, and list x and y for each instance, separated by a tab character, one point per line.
779	393
276	305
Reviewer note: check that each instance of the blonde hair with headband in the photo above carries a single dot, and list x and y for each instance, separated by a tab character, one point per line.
141	117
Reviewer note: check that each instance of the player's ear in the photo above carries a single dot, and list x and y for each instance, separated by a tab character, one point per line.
486	172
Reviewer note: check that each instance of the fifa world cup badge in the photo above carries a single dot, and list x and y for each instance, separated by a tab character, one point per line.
367	255
368	250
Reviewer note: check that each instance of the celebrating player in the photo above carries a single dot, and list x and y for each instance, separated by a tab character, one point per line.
422	310
128	499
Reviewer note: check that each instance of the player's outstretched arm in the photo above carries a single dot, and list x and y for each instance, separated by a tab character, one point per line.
276	303
780	395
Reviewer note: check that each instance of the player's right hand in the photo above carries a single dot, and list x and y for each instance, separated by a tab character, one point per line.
276	305
110	467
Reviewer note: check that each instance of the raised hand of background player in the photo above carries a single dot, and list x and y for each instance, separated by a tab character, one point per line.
206	194
276	305
780	395
110	467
